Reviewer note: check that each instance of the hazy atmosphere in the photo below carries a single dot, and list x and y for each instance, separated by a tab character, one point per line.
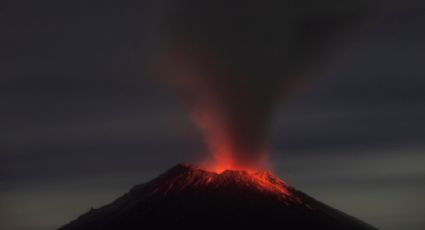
82	119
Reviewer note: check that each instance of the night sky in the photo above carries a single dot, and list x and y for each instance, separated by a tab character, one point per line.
82	119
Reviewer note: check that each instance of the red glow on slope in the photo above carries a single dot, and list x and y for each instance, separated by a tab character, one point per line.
262	180
194	178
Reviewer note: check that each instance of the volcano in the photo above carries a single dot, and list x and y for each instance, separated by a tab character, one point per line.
189	197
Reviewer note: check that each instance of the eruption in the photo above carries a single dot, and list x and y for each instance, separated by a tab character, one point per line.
233	61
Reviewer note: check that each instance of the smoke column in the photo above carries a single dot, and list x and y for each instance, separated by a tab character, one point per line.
233	61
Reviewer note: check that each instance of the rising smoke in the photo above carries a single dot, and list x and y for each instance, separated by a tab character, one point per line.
232	61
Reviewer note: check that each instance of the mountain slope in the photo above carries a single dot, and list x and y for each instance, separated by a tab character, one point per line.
187	197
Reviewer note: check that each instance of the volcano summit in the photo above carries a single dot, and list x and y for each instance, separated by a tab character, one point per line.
188	197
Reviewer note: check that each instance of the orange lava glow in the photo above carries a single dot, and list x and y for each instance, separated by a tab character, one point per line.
224	162
263	180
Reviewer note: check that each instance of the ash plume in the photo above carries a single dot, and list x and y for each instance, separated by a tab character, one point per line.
233	61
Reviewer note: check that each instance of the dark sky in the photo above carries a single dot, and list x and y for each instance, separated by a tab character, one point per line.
82	120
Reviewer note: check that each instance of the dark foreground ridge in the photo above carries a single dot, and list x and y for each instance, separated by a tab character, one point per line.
187	197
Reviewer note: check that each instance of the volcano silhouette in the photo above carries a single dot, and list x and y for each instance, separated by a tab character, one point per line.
187	197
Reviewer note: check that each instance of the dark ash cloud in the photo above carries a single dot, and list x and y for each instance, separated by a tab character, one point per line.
233	61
